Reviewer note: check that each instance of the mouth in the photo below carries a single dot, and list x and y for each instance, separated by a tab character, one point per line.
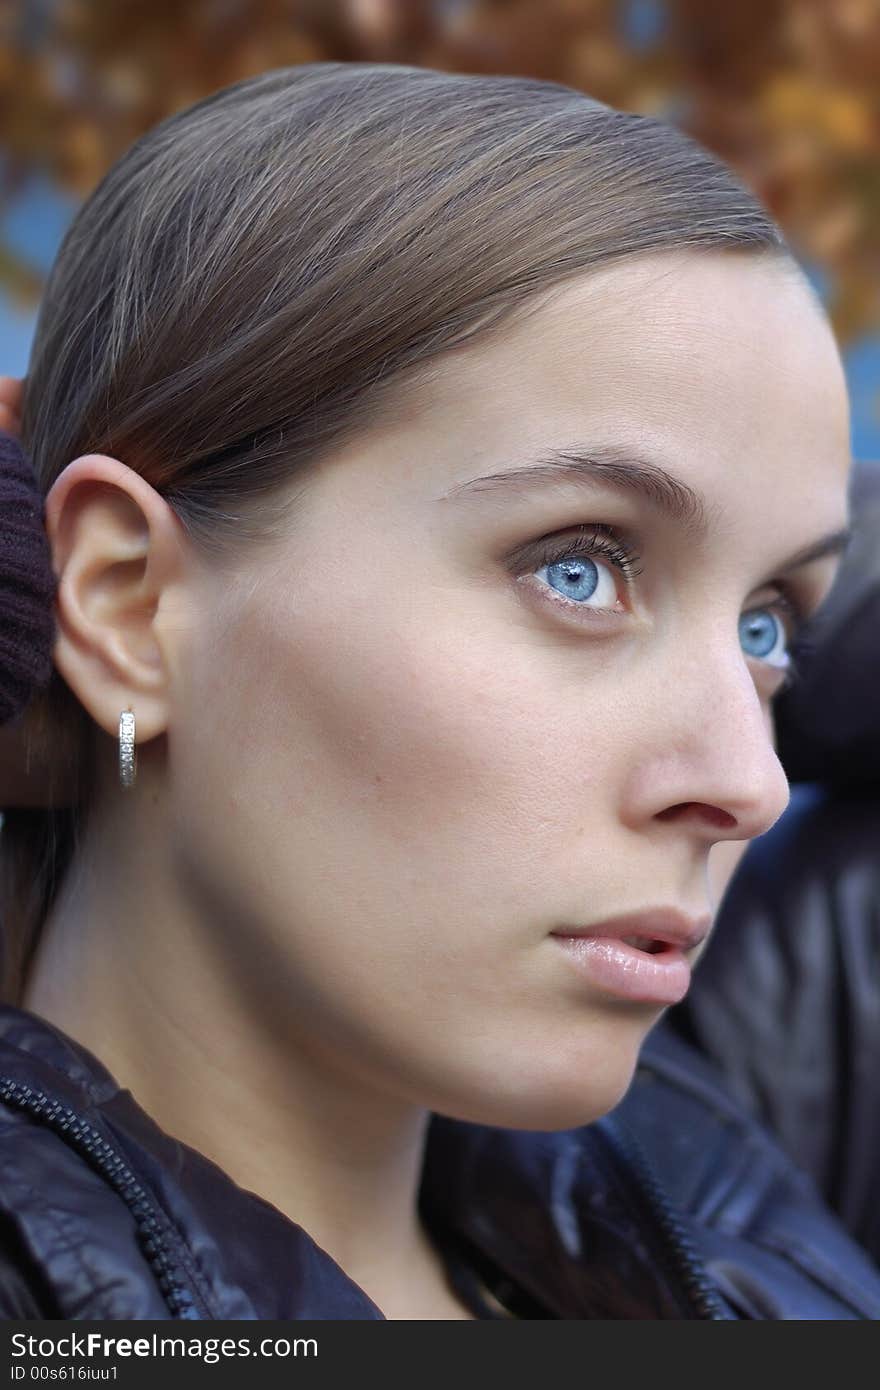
652	947
637	956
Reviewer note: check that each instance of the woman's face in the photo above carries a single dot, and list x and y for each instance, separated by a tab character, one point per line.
412	744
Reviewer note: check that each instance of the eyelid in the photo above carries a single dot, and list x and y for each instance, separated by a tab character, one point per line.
613	545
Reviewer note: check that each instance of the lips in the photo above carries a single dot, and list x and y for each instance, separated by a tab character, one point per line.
639	956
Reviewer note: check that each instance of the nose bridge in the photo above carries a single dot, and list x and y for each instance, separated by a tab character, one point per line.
716	742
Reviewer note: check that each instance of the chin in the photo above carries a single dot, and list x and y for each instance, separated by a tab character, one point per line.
547	1101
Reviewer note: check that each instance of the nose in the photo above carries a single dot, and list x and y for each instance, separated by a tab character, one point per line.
712	765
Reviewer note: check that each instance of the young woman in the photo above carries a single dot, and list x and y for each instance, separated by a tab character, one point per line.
438	470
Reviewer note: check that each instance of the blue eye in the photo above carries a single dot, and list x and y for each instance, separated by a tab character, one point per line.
580	579
762	632
757	637
572	571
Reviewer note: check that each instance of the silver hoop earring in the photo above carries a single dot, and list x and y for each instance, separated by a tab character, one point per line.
127	754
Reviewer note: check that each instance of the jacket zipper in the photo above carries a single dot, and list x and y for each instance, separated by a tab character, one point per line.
684	1259
87	1141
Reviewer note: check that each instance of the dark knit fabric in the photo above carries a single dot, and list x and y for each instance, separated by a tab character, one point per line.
27	583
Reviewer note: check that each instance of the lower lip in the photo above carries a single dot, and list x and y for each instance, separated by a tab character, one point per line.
621	969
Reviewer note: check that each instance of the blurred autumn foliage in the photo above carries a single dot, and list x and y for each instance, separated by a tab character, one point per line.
787	91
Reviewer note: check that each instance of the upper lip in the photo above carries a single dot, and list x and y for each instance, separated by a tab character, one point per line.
669	925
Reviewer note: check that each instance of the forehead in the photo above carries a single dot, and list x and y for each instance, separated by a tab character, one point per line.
721	365
719	368
685	331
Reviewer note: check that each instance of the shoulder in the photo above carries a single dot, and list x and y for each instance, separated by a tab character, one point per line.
117	1219
69	1244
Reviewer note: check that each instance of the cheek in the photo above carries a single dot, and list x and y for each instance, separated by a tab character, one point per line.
438	754
449	743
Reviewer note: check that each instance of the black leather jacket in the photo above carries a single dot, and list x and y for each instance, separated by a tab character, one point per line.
677	1205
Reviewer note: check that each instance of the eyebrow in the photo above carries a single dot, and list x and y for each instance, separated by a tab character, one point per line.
624	472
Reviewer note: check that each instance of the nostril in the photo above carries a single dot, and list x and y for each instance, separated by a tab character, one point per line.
722	820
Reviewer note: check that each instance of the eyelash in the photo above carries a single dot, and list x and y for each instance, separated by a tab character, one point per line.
600	539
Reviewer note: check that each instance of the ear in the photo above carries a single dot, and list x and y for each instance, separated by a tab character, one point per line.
123	561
